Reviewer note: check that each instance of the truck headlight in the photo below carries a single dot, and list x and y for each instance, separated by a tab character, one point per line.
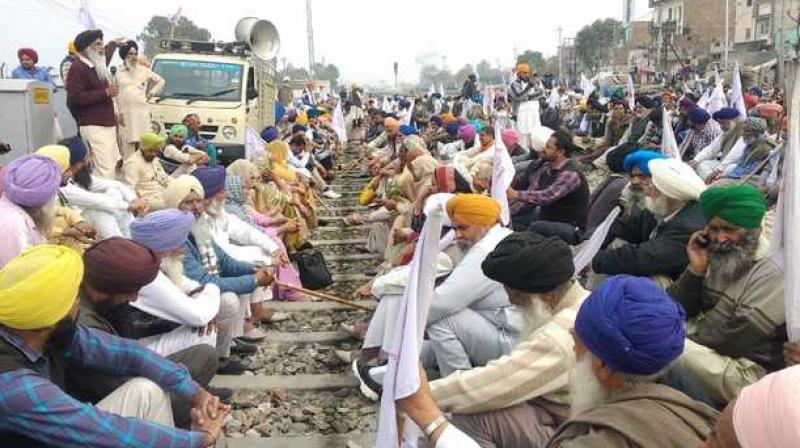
229	132
155	127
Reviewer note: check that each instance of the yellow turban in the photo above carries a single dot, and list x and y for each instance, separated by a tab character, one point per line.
391	124
448	117
58	153
150	141
523	68
39	286
301	119
473	209
71	48
179	188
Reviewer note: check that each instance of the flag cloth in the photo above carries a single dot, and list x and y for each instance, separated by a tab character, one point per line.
441	88
590	249
408	116
554	98
587	86
502	175
702	103
669	146
431	91
631	94
717	99
175	18
338	123
402	374
253	144
736	99
786	248
85	16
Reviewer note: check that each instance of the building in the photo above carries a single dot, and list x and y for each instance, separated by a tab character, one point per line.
760	22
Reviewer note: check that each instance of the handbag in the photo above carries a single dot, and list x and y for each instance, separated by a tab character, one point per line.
314	273
133	323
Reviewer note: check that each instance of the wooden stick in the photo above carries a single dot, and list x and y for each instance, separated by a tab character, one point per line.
322	295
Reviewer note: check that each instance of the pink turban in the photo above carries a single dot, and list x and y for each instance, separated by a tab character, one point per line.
466	133
31	180
510	137
767	413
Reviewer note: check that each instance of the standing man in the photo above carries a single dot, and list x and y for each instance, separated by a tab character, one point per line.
524	93
90	97
28	58
136	84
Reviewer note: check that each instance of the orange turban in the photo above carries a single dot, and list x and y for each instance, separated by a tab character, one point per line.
523	68
448	117
391	124
473	209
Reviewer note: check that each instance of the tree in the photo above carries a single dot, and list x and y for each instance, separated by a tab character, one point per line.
551	65
595	43
431	74
160	27
294	73
327	73
534	59
462	74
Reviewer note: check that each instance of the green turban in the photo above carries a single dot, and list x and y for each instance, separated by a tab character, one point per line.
178	129
741	205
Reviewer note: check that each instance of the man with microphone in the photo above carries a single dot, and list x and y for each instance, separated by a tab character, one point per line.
90	96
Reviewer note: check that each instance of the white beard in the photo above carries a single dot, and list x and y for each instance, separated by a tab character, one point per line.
99	61
216	207
202	232
132	68
172	267
658	206
535	315
45	216
585	390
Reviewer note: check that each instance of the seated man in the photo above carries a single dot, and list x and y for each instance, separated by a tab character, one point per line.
756	150
553	188
511	140
655	234
527	387
764	415
115	270
180	309
205	262
626	335
180	154
40	339
724	150
703	131
28	203
144	173
733	293
465	160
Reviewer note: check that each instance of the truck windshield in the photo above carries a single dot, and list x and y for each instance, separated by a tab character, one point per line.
200	80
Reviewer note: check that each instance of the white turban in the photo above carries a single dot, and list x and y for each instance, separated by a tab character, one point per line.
676	179
767	413
179	188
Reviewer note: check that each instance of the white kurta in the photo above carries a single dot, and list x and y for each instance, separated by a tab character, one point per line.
132	100
528	117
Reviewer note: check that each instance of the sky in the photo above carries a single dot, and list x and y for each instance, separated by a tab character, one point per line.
361	37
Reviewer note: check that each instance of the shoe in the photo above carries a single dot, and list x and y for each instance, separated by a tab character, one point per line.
254	335
229	366
243	348
279	316
368	387
330	194
223	393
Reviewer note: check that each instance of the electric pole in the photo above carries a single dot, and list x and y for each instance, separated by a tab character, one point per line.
727	31
310	26
560	55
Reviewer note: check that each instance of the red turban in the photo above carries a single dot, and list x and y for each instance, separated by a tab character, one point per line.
119	266
29	52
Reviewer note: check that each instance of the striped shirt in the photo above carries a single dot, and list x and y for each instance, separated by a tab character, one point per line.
538	366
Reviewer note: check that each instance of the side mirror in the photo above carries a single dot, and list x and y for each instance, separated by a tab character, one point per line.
252	93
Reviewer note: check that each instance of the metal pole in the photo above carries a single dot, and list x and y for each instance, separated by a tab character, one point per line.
560	55
310	26
727	30
778	43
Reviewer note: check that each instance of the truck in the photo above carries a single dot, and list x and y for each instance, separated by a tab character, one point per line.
229	85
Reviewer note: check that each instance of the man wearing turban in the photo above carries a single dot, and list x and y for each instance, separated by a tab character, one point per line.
468	160
627	333
137	83
724	150
524	93
764	415
529	384
733	293
91	92
28	58
178	152
41	342
703	130
28	204
143	171
663	213
757	148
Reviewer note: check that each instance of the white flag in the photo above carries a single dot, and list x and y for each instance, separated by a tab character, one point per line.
338	123
591	247
584	126
631	94
85	16
554	99
253	144
785	247
406	118
736	97
702	103
175	18
716	100
402	374
431	91
441	88
669	146
587	86
502	175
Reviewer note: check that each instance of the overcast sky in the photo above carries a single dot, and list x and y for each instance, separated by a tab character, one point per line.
362	37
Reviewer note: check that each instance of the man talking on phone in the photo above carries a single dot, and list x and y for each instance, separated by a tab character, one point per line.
733	294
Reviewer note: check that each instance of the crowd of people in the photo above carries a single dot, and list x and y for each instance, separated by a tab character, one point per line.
135	265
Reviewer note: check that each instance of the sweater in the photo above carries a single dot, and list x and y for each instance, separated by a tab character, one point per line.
86	93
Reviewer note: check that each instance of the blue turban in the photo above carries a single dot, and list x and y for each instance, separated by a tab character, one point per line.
640	159
77	150
298	128
698	115
477	125
632	325
726	113
438	120
452	128
408	130
757	91
212	179
269	133
163	230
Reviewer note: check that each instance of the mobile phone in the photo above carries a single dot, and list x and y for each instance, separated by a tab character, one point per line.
702	240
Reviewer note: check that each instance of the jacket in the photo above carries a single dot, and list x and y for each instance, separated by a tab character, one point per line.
234	276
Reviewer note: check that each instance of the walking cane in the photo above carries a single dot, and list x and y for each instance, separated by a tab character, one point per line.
324	296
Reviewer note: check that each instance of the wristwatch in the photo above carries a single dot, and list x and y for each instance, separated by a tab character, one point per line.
434	425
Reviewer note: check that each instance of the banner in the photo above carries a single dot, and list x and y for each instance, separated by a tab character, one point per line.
502	175
669	145
736	99
592	247
631	94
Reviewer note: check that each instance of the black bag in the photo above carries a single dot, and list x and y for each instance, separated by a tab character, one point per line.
313	271
134	323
